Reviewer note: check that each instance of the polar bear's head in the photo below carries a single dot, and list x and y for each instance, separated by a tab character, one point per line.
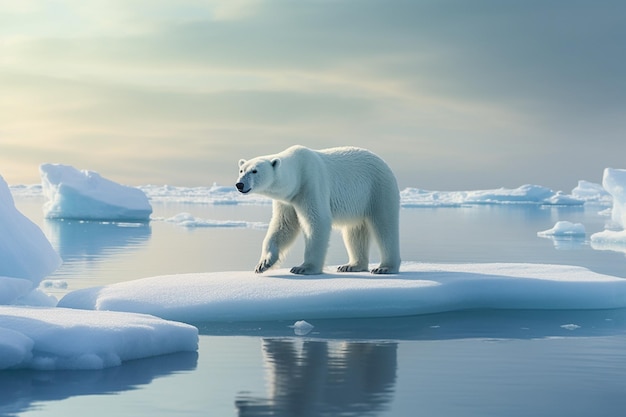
256	175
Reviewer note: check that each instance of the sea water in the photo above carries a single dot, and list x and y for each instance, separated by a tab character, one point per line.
468	363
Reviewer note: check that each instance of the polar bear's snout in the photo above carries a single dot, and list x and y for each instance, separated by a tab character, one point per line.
241	187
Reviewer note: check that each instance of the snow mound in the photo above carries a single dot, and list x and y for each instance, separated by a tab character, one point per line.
590	192
85	195
614	182
26	255
526	194
418	289
564	229
58	338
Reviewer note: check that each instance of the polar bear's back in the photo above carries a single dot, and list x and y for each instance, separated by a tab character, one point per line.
359	181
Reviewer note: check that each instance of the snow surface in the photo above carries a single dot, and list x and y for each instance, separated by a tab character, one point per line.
420	288
564	229
26	256
59	338
85	195
614	236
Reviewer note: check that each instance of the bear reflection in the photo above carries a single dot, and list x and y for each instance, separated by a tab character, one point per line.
314	378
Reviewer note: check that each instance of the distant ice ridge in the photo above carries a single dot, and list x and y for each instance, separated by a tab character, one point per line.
526	194
85	195
420	288
614	236
187	220
584	192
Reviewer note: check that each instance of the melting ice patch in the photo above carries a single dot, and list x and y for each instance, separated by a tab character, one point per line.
419	289
85	195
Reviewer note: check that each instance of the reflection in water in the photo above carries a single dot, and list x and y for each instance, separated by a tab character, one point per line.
74	239
20	390
319	378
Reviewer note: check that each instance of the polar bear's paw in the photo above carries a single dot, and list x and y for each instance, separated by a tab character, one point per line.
384	270
351	268
263	266
306	269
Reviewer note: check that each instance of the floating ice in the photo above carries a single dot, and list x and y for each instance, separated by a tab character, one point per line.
85	195
614	181
187	220
570	326
26	256
418	289
526	194
58	338
302	328
590	192
564	229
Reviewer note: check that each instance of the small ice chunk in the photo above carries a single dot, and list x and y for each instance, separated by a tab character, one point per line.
564	229
570	326
302	328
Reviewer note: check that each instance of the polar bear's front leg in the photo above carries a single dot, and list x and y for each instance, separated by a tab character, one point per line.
317	231
282	231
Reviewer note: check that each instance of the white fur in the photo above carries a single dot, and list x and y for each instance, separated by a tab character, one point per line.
314	190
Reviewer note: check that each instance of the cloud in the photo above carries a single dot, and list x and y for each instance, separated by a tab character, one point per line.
477	86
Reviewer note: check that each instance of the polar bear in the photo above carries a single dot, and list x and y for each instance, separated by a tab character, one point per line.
313	190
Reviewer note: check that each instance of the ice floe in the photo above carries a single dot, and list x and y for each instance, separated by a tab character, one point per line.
419	289
59	338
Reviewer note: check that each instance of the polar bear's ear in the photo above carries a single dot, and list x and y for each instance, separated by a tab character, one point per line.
275	162
241	162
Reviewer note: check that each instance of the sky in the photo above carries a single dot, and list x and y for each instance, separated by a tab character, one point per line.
454	95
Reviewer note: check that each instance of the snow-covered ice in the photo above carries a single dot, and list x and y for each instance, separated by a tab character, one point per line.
614	236
59	338
420	288
564	228
26	255
47	338
86	195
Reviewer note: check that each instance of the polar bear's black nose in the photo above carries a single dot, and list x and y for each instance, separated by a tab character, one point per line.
239	186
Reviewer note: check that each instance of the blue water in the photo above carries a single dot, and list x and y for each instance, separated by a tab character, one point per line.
478	363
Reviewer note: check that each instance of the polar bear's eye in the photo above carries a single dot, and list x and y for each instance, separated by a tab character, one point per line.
241	171
254	171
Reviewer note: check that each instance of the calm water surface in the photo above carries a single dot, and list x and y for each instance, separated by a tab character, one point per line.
479	363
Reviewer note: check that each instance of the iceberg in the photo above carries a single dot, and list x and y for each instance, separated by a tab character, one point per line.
420	288
85	195
614	236
26	255
58	338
